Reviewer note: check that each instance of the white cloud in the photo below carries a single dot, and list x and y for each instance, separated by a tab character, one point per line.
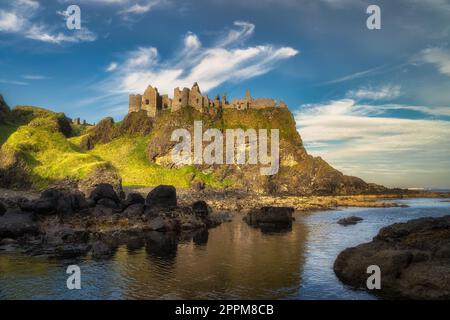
439	57
34	77
10	22
362	140
386	92
209	66
20	18
112	66
13	82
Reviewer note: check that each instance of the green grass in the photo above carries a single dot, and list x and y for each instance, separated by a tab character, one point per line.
128	155
5	132
49	155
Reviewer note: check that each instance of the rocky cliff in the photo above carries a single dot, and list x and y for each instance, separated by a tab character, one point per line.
43	149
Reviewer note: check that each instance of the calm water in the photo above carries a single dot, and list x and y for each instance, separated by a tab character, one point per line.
230	261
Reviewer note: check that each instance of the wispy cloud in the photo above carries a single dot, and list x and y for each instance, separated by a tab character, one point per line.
386	92
227	60
356	75
438	57
34	77
363	140
13	82
21	18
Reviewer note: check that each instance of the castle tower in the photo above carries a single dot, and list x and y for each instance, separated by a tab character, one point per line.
180	98
134	102
196	98
151	101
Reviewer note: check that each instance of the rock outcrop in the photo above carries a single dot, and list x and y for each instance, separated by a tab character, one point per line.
349	220
268	218
414	258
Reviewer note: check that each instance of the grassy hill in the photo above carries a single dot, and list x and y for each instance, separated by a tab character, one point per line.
39	148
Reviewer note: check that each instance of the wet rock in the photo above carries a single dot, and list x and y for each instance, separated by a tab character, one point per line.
201	209
134	210
56	201
134	198
158	224
349	220
100	210
108	203
414	258
104	191
162	197
7	241
14	224
102	249
270	217
2	209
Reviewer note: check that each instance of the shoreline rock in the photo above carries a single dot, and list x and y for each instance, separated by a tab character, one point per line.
62	222
352	220
414	258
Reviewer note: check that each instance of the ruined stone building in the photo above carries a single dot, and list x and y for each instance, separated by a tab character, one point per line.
154	103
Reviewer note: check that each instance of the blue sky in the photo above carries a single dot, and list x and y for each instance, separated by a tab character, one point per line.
373	103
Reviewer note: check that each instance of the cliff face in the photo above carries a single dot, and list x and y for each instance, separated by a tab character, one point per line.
4	110
299	173
39	148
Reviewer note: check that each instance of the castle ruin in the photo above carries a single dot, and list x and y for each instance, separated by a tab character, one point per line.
154	103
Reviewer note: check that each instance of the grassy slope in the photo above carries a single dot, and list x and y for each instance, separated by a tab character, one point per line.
50	156
47	152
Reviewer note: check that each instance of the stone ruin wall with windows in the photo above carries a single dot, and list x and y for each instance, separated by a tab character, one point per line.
154	103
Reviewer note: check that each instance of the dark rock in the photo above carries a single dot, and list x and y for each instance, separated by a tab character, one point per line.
14	224
108	203
201	209
7	241
57	201
162	197
2	209
136	209
157	224
102	249
134	198
349	220
104	190
414	258
270	216
100	210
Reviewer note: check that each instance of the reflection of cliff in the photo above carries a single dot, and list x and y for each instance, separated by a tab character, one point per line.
237	262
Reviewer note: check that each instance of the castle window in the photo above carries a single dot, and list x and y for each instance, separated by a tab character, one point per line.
147	101
197	100
179	100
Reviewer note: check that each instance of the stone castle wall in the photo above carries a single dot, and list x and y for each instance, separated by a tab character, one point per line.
154	103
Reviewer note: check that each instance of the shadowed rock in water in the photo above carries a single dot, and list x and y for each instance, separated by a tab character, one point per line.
414	258
270	218
349	220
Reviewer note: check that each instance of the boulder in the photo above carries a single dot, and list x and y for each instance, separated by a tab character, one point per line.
270	216
56	201
108	203
134	198
14	224
201	209
414	259
162	197
104	191
349	220
102	175
136	209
